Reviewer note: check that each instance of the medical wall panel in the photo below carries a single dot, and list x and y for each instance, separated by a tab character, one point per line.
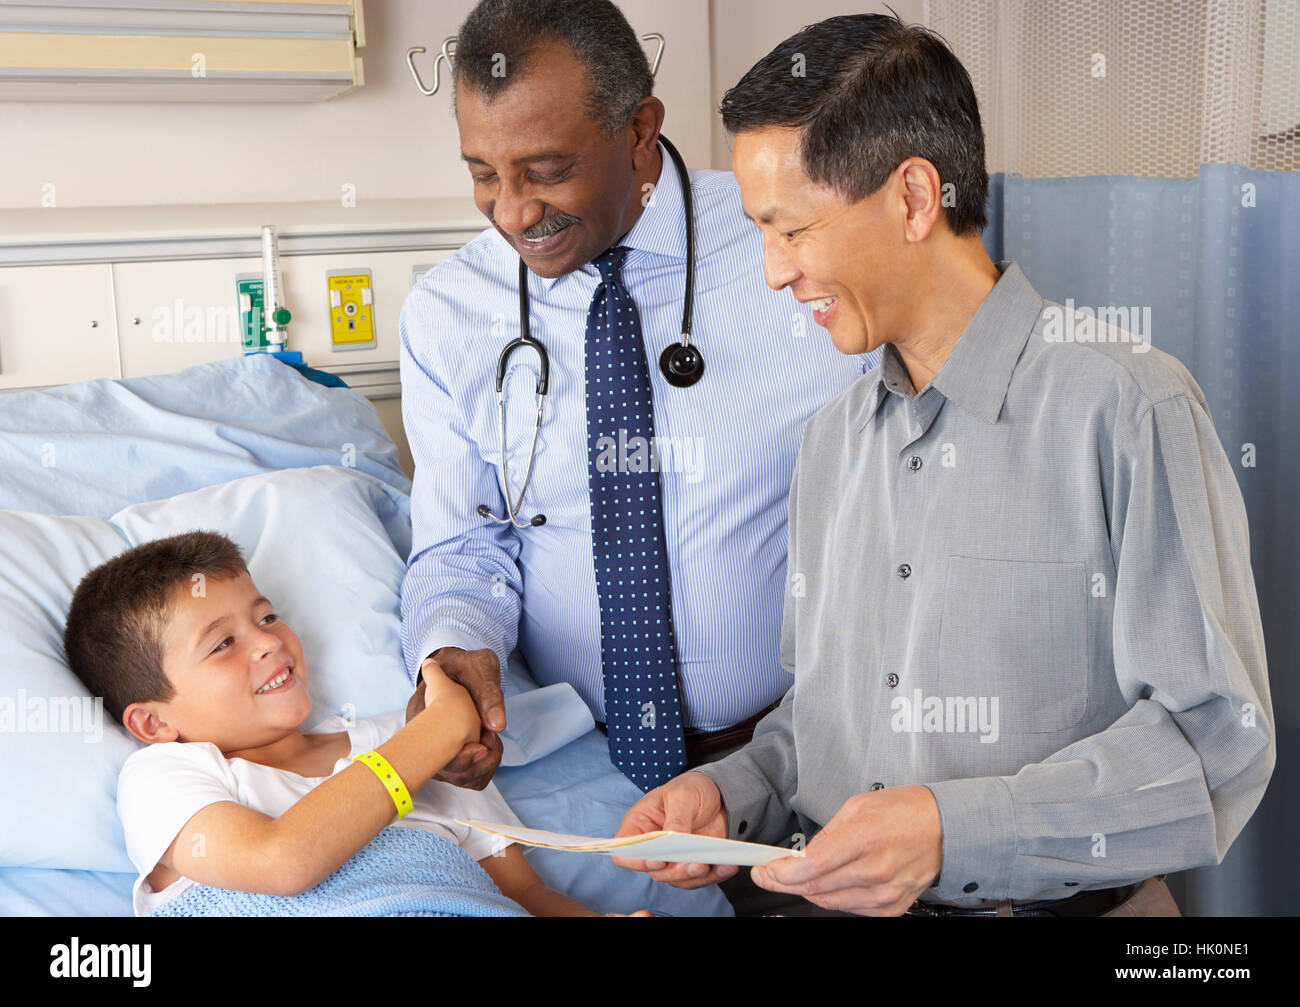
56	325
173	315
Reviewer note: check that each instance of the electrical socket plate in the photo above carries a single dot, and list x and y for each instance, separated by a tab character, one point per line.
352	309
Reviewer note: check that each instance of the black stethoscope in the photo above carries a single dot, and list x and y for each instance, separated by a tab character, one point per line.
681	363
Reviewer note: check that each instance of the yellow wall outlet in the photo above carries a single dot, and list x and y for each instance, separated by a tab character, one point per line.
352	309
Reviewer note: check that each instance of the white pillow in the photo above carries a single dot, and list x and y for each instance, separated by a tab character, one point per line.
316	544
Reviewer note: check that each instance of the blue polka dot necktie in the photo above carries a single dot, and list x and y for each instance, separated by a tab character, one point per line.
643	710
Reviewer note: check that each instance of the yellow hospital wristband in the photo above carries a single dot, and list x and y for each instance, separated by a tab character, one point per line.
389	778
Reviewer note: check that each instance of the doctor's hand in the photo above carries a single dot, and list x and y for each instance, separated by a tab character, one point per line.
688	803
479	672
880	851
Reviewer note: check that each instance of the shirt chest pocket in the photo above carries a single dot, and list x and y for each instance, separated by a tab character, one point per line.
1018	632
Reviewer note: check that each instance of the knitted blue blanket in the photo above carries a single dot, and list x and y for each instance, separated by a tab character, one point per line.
403	871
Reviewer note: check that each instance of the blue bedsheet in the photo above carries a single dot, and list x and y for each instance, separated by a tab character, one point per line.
96	447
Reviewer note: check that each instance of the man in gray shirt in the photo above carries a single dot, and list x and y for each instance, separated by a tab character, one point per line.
1029	670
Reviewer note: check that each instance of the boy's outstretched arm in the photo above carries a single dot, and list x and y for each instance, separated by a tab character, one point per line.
515	876
228	845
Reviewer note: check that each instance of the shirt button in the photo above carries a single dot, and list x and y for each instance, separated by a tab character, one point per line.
877	786
914	463
904	571
892	679
969	887
740	829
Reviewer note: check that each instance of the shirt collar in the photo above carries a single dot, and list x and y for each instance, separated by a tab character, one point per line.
890	376
661	228
978	369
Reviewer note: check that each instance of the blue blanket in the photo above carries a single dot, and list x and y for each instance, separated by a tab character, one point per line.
403	871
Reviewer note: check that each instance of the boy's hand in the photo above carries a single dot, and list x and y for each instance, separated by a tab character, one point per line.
639	912
480	673
455	706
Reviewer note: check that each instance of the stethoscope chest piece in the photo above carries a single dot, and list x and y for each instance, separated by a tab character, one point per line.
682	365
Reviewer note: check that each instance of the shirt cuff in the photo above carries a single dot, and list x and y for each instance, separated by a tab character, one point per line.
446	636
755	812
979	839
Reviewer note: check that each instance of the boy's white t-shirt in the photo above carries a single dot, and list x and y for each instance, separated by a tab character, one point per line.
162	786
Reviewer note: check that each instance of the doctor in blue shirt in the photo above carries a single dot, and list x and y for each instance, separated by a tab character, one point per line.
654	582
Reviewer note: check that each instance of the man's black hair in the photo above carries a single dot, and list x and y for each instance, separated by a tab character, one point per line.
495	44
868	92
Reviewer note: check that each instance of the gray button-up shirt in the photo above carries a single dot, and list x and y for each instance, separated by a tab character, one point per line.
1029	588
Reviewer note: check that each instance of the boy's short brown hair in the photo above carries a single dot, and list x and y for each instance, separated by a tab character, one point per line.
120	610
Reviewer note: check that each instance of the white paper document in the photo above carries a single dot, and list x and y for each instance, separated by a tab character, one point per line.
671	847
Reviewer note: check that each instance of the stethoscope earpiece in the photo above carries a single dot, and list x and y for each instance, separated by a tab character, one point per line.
682	365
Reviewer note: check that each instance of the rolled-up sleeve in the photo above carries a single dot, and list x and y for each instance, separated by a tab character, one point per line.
1170	784
462	584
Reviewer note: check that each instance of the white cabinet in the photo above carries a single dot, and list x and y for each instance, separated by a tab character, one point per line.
56	325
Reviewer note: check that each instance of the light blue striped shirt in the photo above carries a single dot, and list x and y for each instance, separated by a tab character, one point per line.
726	456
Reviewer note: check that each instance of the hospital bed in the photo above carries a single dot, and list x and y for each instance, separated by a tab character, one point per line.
305	479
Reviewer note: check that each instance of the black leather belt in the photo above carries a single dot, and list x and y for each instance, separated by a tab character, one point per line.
1091	903
701	744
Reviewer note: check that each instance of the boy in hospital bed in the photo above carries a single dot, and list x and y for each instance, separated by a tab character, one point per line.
229	792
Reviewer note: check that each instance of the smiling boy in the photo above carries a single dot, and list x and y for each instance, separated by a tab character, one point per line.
230	793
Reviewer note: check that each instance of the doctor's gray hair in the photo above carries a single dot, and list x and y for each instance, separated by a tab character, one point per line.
868	92
495	45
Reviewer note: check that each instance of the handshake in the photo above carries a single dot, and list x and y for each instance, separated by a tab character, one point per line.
466	687
463	688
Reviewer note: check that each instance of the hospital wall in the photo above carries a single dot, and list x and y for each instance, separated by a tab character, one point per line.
124	224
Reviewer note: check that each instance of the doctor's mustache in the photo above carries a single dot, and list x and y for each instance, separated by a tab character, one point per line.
547	227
